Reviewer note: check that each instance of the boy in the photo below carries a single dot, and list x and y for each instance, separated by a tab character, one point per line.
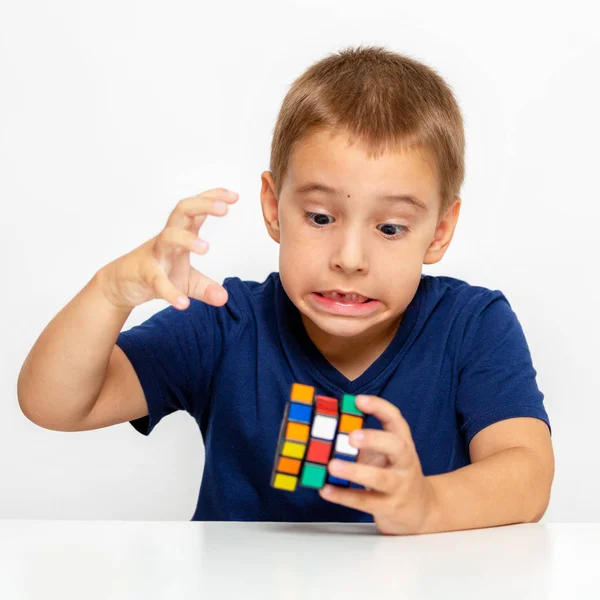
366	165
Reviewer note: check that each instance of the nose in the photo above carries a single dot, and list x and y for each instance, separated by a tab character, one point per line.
349	253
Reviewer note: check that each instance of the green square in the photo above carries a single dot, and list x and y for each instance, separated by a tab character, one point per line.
313	476
349	405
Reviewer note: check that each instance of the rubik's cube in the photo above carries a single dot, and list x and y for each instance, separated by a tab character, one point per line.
314	429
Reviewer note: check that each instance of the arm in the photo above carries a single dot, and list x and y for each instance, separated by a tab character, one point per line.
509	480
64	373
75	377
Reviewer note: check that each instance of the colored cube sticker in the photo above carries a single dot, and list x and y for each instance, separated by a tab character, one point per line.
300	413
285	482
289	465
293	449
302	393
342	445
314	429
313	475
332	479
319	451
349	405
349	423
324	427
297	431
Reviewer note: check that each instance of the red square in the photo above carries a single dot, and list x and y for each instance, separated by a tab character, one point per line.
319	451
327	406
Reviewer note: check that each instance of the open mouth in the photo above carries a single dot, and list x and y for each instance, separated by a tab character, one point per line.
346	298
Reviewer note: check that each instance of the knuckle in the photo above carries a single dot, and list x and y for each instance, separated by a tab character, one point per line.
153	277
191	238
381	480
392	480
171	234
163	235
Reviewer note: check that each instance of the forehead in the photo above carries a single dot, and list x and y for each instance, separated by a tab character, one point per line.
334	160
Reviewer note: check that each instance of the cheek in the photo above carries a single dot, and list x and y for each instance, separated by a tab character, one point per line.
297	257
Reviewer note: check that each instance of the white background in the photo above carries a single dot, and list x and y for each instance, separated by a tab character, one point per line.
111	112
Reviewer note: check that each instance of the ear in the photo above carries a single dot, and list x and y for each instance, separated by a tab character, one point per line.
270	205
443	234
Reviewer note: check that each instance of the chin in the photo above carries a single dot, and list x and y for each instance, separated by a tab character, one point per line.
340	326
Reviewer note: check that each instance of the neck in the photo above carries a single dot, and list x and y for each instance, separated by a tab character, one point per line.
341	350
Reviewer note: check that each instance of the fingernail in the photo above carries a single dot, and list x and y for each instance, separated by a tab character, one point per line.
200	245
337	467
357	436
326	490
220	205
232	194
364	400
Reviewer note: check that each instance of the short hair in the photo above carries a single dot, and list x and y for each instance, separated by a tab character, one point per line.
385	100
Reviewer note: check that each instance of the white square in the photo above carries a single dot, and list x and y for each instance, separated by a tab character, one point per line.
324	427
342	445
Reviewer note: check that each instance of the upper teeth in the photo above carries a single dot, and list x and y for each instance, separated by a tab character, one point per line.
345	296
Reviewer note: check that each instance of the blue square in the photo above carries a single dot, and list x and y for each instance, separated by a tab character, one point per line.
345	457
300	412
336	480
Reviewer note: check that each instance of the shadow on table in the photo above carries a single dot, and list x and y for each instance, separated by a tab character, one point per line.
367	529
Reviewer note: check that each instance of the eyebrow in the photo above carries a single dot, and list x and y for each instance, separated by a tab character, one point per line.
319	187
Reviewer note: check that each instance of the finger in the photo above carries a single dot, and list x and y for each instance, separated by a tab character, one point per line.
377	479
180	239
194	210
386	412
164	288
366	501
370	457
206	289
399	452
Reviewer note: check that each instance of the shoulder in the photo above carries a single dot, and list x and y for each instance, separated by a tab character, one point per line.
248	294
458	290
248	301
461	298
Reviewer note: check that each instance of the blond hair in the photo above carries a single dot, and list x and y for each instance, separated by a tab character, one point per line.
385	100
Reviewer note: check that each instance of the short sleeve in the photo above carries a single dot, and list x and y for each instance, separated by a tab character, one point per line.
496	377
174	354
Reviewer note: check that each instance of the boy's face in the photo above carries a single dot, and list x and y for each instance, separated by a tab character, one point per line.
352	239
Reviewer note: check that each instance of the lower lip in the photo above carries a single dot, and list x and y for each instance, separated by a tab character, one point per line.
343	308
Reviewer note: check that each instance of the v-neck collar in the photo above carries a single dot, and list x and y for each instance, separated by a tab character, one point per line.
298	345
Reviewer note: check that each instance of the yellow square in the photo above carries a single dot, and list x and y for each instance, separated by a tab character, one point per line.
293	450
302	393
285	482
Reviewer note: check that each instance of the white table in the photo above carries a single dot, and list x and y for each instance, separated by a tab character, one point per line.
86	560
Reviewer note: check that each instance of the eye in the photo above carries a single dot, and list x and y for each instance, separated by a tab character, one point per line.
392	231
310	215
395	233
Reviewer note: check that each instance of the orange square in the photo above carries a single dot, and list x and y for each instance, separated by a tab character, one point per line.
289	465
349	423
302	393
297	431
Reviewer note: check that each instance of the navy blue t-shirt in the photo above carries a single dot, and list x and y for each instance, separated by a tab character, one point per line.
459	362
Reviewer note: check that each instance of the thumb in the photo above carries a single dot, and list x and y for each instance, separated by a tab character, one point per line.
206	289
